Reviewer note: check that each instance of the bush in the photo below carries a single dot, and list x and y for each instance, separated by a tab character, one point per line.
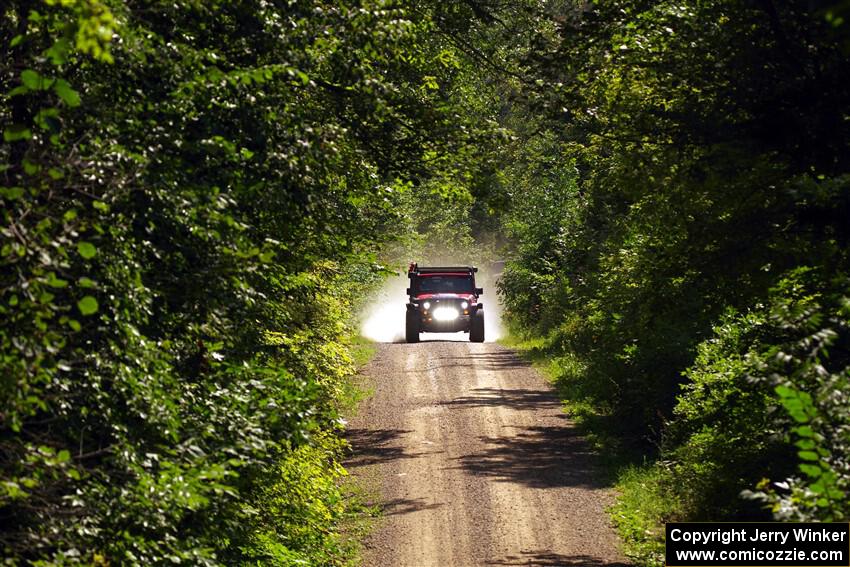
722	439
810	373
762	390
301	506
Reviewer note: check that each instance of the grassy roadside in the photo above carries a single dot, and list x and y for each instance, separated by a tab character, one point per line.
361	515
642	505
354	389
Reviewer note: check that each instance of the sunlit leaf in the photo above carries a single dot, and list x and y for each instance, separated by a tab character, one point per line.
86	249
87	305
66	93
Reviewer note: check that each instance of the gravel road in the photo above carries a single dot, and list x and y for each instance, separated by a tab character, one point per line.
475	463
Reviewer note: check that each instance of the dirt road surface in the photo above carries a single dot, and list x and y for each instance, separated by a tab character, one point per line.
475	463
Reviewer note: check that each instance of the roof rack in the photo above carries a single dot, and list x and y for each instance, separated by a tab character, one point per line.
415	269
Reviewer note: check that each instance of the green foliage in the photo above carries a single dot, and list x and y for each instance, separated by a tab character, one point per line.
730	435
299	501
194	194
723	438
810	374
677	166
656	187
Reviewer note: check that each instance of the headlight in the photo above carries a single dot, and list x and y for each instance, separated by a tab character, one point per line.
445	314
426	305
464	304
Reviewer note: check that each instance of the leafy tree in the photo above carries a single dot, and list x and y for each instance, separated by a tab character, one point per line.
193	195
682	160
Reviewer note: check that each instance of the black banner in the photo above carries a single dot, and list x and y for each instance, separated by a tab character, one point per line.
766	544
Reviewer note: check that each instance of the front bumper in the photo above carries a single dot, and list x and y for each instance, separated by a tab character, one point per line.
430	320
430	325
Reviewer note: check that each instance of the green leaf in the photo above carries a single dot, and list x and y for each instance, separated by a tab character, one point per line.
16	40
31	79
86	250
66	93
799	416
836	494
811	471
58	53
53	281
11	193
31	168
12	489
785	392
16	132
87	305
47	119
808	455
804	431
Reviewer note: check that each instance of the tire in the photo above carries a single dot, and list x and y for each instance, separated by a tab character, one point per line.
476	327
411	327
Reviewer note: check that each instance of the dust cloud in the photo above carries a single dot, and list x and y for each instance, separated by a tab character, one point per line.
382	320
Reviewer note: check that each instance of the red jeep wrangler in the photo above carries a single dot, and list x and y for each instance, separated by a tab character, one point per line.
444	300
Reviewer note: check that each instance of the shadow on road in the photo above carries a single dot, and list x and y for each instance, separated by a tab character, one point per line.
498	360
519	399
538	457
406	506
372	446
548	558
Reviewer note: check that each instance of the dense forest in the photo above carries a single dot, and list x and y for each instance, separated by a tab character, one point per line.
198	196
682	254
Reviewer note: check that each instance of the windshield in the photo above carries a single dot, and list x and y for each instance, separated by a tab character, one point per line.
445	284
